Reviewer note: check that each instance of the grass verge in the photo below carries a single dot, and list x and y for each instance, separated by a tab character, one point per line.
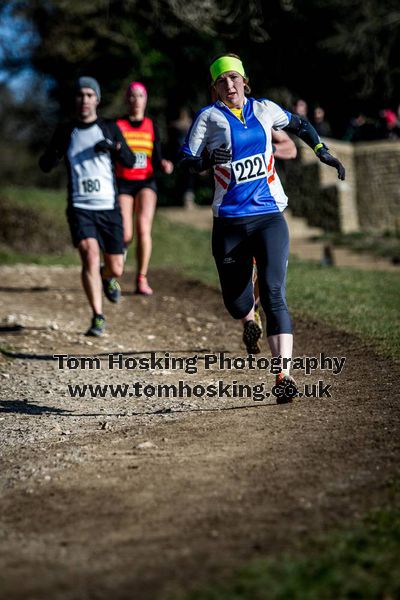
12	257
45	202
383	244
361	302
357	563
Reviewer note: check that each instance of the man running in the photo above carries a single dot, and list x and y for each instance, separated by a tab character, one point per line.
90	147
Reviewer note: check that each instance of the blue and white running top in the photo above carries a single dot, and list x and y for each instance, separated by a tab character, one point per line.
247	185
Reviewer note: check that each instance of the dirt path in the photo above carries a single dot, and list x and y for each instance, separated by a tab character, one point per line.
89	512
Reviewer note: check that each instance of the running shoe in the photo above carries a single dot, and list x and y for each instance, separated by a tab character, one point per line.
142	286
285	389
252	332
112	290
97	327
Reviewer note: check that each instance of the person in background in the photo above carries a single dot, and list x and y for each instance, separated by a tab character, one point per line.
177	132
233	136
91	146
300	108
361	129
136	186
321	125
390	129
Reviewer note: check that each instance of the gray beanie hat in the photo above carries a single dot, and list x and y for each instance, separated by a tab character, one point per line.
88	82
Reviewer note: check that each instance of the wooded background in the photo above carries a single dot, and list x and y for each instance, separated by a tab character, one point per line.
339	54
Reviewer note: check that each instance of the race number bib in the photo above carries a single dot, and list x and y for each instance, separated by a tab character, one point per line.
249	168
93	186
141	160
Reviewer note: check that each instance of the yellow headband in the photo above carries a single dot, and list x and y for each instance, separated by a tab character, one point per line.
224	64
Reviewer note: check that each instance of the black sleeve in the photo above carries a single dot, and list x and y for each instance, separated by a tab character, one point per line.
192	164
56	149
304	130
157	152
124	155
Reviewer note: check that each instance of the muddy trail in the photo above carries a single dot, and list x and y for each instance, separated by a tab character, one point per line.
148	497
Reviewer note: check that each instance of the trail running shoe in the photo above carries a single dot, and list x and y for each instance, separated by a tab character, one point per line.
97	327
142	286
112	290
285	389
252	332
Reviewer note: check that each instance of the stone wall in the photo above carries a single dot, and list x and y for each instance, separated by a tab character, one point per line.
369	198
377	166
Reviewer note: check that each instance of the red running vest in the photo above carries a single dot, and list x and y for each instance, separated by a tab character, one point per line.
141	141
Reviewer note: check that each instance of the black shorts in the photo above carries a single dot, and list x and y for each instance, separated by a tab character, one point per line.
126	186
103	225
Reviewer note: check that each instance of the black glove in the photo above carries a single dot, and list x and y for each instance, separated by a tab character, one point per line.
219	156
106	145
194	164
331	161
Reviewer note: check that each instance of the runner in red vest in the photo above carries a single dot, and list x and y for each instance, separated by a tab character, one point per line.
137	187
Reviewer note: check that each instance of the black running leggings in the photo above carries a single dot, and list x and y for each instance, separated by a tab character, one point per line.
235	241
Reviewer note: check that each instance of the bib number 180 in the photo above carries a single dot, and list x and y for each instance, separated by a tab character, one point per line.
90	186
249	168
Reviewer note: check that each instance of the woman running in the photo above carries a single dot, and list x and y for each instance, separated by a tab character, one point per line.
137	187
234	137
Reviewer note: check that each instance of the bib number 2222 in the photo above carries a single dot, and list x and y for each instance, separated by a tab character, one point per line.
249	168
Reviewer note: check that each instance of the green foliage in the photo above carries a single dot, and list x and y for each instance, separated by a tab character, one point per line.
330	55
22	130
368	40
170	44
359	562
